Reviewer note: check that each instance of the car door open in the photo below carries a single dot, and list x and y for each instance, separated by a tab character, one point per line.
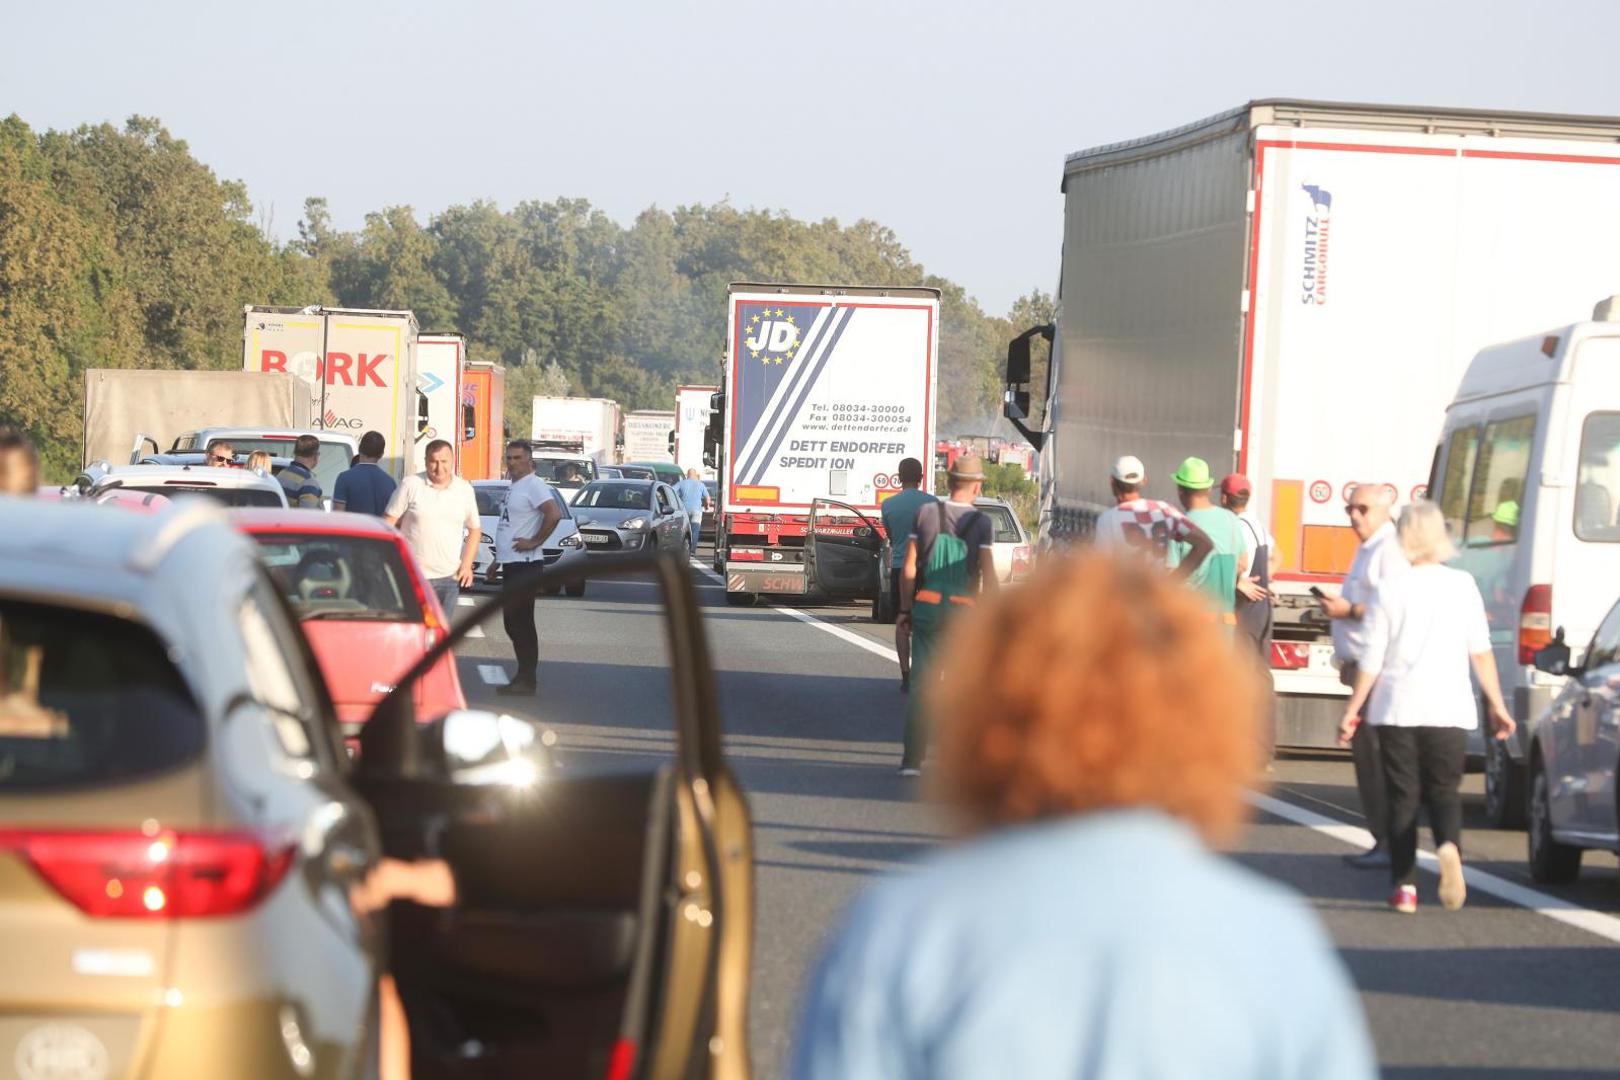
603	918
841	550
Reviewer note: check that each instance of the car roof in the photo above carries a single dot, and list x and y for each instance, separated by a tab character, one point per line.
337	523
201	475
491	483
989	500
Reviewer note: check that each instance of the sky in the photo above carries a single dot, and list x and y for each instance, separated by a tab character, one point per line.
948	122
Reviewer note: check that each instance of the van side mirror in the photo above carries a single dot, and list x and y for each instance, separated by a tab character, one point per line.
1553	658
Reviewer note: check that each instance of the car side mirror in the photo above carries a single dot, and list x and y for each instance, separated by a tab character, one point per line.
485	748
1553	658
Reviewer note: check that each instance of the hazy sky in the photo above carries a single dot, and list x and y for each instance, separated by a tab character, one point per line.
946	121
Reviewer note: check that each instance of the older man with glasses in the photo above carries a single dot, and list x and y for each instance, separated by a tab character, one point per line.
1378	560
221	455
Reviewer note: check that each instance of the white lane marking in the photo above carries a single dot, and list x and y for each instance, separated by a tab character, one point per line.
493	675
477	631
836	631
1570	914
466	601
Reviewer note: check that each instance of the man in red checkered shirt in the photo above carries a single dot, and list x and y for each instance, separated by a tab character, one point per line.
1149	525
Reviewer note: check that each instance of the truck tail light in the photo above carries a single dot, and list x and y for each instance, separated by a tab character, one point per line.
1535	622
130	875
1021	559
1290	655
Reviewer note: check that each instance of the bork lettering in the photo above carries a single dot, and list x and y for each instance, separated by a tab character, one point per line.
361	369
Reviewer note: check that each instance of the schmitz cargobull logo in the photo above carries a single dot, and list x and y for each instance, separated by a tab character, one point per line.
1313	275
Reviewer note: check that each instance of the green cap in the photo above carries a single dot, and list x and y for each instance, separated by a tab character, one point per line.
1507	513
1194	475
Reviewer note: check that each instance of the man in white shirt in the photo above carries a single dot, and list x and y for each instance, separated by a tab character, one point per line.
1148	524
530	515
438	513
1378	560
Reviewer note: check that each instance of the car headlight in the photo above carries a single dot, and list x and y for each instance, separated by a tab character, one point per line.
633	523
571	542
484	538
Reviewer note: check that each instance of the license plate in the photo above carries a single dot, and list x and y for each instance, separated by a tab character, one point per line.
593	538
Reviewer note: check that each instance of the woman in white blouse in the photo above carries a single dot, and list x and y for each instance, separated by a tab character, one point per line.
1425	629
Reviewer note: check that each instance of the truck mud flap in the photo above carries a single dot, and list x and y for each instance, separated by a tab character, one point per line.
775	581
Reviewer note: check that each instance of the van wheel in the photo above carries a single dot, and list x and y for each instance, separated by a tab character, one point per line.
576	589
1551	863
741	599
1504	787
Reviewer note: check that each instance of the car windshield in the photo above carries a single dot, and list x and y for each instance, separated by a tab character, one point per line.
491	500
334	458
571	471
636	472
88	699
229	496
1006	526
610	496
341	577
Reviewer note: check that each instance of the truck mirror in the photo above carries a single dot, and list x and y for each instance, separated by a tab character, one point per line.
1015	401
1015	404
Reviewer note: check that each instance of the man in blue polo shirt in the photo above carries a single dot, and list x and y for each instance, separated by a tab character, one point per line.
363	488
899	518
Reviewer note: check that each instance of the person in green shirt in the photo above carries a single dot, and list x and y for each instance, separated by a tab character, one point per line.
1217	577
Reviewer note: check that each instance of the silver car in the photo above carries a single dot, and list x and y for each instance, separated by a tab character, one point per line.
563	549
630	515
1010	548
231	487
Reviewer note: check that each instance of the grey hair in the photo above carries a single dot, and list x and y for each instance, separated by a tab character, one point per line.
1422	531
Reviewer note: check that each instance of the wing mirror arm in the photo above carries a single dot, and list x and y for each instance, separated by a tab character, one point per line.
1553	658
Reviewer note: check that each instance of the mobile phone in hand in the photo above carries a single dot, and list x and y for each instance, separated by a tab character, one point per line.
1318	593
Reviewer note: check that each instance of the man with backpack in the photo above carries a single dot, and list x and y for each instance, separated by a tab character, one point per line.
949	561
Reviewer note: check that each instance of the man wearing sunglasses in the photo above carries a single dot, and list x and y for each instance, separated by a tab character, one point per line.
221	455
1378	560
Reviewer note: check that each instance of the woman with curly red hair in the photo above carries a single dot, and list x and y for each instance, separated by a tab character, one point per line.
1096	732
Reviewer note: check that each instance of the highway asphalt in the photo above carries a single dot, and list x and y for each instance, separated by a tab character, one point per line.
1501	989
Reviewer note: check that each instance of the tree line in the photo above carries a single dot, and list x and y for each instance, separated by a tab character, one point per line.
118	248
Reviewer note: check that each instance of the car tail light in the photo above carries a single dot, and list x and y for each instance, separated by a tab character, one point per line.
1535	622
1290	655
1021	559
131	875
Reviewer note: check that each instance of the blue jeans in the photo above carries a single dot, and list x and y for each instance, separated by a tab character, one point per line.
448	590
695	525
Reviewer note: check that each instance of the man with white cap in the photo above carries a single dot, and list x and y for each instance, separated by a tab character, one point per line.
1148	524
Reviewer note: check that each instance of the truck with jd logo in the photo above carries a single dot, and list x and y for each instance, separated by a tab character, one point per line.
827	388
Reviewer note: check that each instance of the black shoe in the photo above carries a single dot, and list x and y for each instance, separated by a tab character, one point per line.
1375	858
518	686
905	682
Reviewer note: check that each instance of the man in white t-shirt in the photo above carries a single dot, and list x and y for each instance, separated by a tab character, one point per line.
1378	560
1148	524
438	513
530	515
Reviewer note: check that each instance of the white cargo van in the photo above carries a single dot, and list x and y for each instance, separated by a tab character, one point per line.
1527	473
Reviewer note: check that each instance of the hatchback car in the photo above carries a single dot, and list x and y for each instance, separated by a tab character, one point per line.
1010	548
231	487
563	550
630	515
1574	758
363	602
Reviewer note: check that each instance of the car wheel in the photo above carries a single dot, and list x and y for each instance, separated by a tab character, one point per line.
1551	862
1504	787
576	589
882	609
741	599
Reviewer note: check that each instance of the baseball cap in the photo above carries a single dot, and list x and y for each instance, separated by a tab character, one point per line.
1236	484
1507	514
1194	475
1129	469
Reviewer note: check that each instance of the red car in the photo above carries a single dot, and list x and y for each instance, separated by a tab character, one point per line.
364	604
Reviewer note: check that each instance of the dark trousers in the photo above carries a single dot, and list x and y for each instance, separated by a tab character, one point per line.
1369	768
1422	766
448	590
519	619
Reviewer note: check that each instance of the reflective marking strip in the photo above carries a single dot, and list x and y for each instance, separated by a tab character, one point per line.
1593	922
836	631
466	601
493	675
477	631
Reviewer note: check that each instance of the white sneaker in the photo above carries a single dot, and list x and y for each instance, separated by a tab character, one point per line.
907	770
1453	888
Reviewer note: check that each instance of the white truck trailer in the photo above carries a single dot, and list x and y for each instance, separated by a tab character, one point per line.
827	389
692	405
588	427
440	361
648	434
359	364
1292	290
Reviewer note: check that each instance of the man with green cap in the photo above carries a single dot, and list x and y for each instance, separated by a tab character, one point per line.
1217	577
1505	522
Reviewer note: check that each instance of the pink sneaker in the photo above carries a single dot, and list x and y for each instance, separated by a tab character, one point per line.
1404	899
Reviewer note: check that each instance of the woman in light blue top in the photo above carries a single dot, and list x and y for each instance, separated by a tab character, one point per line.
1096	733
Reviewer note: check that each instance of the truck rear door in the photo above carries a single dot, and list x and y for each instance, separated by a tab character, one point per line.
841	550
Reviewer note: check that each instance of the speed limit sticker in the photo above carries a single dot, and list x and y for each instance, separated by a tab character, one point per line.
1420	493
1321	491
882	481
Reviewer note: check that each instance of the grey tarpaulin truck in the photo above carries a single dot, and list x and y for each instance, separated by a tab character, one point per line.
121	405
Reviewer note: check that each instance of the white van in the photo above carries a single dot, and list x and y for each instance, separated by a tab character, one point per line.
1527	473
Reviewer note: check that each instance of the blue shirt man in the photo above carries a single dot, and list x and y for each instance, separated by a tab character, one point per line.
693	495
364	488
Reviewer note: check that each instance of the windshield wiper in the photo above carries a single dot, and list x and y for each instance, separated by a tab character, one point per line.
355	616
